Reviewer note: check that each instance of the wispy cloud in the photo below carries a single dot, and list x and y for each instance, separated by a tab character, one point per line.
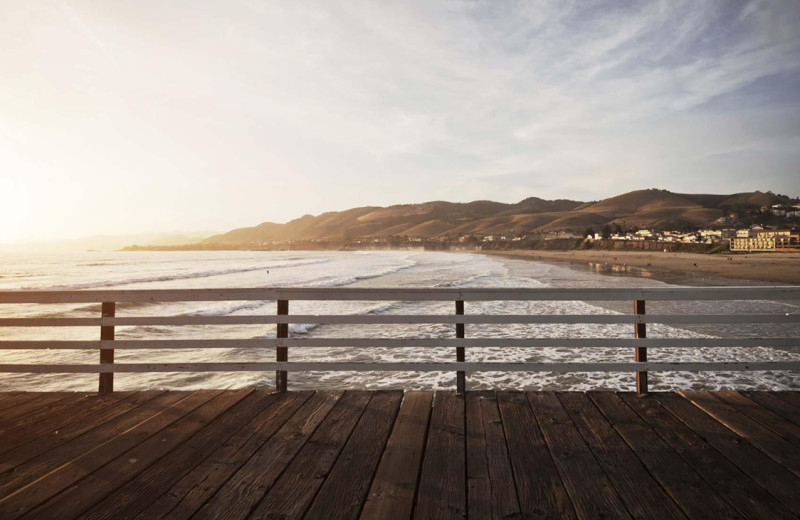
370	102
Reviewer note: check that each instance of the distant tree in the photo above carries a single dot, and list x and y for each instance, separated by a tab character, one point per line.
617	229
589	232
606	231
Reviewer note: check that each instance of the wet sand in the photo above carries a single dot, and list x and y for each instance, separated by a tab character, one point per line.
755	268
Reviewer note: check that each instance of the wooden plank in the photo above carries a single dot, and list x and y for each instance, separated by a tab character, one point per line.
293	492
775	446
130	499
774	478
195	488
25	499
395	482
402	294
476	342
12	402
686	487
539	487
25	437
591	492
43	401
7	395
80	496
727	480
442	491
245	489
34	412
380	319
775	404
405	367
786	429
792	398
32	425
30	461
345	488
643	496
491	493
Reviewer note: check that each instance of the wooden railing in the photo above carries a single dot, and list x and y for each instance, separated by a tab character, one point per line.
639	342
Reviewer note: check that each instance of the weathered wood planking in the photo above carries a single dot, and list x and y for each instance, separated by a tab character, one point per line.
778	448
491	492
591	492
541	492
61	428
728	481
76	498
775	422
27	498
343	493
642	494
31	461
777	480
189	493
397	476
693	494
263	454
247	486
292	493
442	491
128	500
776	405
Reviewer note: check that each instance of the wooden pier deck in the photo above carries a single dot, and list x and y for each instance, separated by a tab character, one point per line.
386	455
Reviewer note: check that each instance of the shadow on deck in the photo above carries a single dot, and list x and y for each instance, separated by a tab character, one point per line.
385	455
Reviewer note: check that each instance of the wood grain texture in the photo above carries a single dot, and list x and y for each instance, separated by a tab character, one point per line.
248	485
723	476
764	471
541	491
642	494
591	492
778	448
397	476
361	454
491	492
686	487
442	492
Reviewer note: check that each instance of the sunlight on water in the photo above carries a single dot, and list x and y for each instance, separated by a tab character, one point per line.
142	270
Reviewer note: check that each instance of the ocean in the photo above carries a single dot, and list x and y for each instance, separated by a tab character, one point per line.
183	270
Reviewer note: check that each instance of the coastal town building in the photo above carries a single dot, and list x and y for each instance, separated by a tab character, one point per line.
767	240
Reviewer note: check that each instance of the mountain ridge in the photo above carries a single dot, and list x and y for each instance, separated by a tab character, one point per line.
652	208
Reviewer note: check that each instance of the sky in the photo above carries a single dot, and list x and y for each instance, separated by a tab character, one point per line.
133	116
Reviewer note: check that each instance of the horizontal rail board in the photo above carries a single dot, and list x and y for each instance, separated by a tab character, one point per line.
402	343
416	294
405	367
403	319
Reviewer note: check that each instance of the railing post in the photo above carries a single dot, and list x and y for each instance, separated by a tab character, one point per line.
461	380
107	355
282	353
640	330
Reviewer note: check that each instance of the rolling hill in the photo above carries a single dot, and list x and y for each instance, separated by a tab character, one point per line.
643	208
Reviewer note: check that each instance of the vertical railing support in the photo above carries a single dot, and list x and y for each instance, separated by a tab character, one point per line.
282	353
641	352
461	379
108	310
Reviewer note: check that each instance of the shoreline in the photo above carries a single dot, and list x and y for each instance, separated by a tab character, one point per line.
755	269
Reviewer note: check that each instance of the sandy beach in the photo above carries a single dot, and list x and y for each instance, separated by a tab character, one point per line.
777	268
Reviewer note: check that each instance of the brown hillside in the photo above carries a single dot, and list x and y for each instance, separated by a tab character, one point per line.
643	208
